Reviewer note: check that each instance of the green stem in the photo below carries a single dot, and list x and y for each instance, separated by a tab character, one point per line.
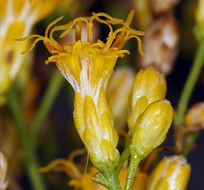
109	179
99	178
31	161
112	177
134	162
124	156
190	85
46	104
186	94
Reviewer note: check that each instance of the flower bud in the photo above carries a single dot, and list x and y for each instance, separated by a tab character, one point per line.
160	45
171	173
118	92
3	171
151	128
149	86
194	118
162	6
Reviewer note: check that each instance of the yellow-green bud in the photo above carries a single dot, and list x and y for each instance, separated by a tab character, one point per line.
149	86
171	173
151	128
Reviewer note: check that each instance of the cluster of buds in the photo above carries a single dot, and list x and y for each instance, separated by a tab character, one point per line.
171	173
150	115
3	171
17	19
149	86
149	119
87	66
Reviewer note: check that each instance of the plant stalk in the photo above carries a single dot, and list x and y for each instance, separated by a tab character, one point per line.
46	104
134	162
124	156
186	95
190	85
30	158
112	177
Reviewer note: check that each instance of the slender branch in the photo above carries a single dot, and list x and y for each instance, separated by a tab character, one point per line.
134	162
30	158
46	104
124	156
186	94
190	85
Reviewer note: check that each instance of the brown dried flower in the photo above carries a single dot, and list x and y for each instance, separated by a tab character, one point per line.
160	45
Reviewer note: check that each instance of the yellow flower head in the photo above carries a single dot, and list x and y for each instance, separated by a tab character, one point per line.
119	89
151	128
149	86
87	66
171	173
17	18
